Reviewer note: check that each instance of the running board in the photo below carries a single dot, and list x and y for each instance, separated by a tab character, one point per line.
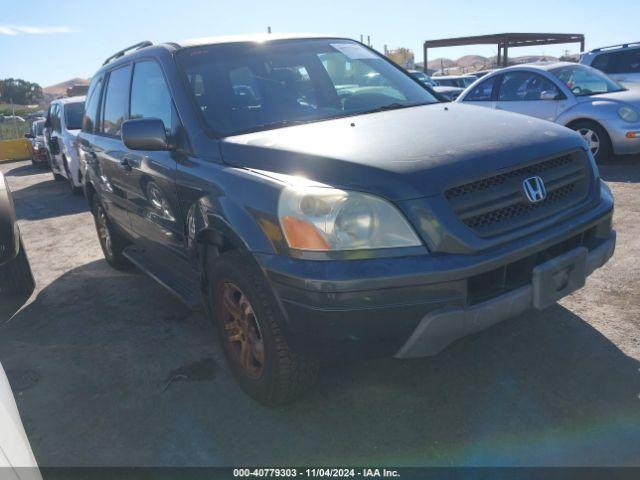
173	274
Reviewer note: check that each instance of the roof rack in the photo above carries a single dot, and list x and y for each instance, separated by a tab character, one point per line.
621	45
122	52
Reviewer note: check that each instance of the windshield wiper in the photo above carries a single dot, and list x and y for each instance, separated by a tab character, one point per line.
395	106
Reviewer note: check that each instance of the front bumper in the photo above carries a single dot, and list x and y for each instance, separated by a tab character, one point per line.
417	305
438	329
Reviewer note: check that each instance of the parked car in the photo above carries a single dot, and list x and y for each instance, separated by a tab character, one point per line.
319	222
450	94
620	62
459	81
15	273
482	73
64	120
579	97
40	156
446	94
423	77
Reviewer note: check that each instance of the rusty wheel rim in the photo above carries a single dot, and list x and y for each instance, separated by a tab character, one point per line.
242	330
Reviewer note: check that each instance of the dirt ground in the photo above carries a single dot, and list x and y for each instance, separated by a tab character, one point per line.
109	369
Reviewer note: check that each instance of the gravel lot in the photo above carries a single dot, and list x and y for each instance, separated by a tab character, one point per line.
109	369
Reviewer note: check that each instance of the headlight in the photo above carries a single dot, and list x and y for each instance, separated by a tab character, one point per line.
324	218
628	114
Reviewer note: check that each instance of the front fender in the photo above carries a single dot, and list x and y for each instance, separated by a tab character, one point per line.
223	222
600	112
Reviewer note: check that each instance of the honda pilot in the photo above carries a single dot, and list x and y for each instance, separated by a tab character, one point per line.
317	216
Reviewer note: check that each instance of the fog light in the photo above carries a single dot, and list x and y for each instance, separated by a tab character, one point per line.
633	134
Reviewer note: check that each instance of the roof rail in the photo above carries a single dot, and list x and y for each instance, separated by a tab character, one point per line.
122	52
621	45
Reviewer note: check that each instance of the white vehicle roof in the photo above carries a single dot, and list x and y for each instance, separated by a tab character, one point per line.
65	100
453	77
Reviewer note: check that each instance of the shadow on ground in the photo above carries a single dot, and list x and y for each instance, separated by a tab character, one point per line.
108	369
25	170
621	169
47	199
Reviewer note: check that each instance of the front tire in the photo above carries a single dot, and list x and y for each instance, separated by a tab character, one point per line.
597	139
248	322
112	242
16	277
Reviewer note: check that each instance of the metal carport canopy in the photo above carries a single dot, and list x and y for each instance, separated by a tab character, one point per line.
504	41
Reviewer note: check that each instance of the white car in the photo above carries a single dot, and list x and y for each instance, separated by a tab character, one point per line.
64	121
458	81
16	457
620	62
605	113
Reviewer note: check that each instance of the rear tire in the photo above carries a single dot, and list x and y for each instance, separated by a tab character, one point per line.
16	277
112	242
248	319
597	138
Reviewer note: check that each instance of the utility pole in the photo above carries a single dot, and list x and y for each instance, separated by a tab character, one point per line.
269	30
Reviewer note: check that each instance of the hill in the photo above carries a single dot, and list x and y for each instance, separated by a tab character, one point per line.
471	63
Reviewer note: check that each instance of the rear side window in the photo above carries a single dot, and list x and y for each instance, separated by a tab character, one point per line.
91	107
150	97
627	61
482	92
602	62
116	101
524	86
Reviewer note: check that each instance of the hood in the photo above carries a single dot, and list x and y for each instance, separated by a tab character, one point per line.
630	96
402	154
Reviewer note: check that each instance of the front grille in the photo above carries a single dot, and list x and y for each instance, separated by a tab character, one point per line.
497	204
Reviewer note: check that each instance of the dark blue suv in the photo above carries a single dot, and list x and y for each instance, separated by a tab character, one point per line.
318	214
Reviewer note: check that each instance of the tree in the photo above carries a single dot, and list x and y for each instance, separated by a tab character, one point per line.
20	91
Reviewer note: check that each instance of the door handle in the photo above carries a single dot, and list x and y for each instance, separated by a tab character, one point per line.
125	164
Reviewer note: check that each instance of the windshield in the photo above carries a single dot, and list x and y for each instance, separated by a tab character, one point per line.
73	115
244	87
584	81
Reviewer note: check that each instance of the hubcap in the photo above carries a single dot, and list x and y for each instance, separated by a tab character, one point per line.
103	231
243	331
592	139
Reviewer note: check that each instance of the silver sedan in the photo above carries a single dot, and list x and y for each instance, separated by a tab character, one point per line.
605	113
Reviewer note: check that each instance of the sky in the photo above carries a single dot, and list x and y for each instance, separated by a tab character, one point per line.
52	41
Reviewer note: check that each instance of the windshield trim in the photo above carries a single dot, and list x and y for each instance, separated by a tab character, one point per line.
296	123
212	133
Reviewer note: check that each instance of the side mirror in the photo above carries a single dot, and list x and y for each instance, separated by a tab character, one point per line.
549	95
145	134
